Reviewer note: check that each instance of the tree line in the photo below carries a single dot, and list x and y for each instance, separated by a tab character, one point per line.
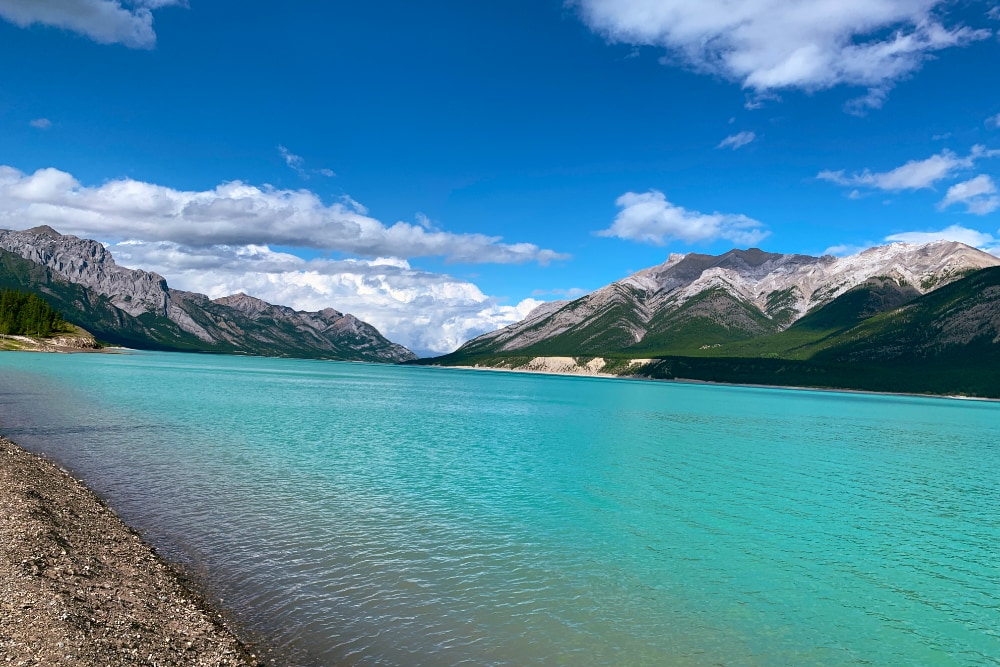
24	314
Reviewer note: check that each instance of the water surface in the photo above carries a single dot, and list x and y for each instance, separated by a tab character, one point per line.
380	515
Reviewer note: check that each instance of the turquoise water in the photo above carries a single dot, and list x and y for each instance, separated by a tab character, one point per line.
376	515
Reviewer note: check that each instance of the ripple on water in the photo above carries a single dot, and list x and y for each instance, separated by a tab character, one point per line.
406	516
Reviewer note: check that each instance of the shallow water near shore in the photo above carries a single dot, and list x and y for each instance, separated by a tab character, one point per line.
381	515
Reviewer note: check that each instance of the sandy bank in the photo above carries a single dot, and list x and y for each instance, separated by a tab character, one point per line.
78	587
594	366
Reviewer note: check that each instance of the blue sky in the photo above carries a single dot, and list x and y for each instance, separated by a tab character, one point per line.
370	156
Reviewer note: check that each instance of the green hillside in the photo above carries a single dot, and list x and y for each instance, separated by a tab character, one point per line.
713	317
91	311
945	342
879	336
265	335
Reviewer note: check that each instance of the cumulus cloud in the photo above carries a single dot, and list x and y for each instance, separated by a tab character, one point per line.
739	140
41	123
914	175
769	45
993	121
430	313
649	218
104	21
979	195
235	214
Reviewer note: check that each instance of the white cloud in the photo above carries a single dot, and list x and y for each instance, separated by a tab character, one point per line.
429	313
978	194
914	175
298	164
970	237
293	161
41	123
993	121
769	45
235	214
354	204
571	293
649	218
104	21
845	249
735	141
425	222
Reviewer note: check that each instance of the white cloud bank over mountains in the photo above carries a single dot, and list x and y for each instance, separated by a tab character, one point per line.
430	313
235	214
104	21
218	242
971	237
770	45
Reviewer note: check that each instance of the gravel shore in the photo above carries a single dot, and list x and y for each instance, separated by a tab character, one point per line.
78	587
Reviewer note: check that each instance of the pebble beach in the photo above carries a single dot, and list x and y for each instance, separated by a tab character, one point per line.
79	587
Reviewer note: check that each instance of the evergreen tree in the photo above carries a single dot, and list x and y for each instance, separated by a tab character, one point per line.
24	314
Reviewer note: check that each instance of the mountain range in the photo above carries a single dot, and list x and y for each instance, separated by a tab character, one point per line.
900	317
138	309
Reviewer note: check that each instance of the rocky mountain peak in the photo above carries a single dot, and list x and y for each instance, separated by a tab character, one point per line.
43	230
89	263
331	313
748	290
244	303
237	322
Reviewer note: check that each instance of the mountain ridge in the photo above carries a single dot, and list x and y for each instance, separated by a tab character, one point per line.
166	318
740	294
900	318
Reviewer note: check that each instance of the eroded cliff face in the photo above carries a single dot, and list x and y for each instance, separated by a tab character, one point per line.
237	323
88	263
749	291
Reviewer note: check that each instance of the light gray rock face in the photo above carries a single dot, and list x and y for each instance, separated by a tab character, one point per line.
281	322
782	288
88	263
239	322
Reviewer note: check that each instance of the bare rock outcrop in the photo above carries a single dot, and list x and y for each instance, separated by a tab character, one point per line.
750	290
236	323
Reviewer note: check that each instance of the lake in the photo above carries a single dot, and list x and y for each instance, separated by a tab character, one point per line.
386	515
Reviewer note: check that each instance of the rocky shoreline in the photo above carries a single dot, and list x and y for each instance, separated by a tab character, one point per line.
79	587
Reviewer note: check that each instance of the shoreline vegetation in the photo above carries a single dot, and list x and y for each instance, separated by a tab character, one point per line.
954	383
586	367
76	340
78	586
